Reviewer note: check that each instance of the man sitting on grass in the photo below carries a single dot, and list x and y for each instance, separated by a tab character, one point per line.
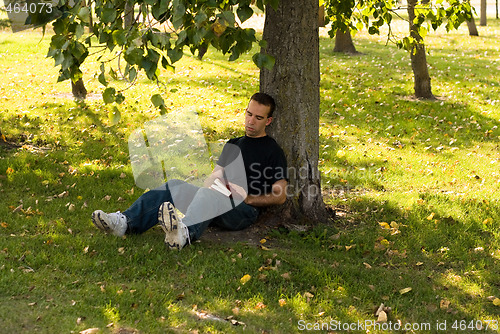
266	173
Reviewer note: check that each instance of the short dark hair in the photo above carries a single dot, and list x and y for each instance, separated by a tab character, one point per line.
265	99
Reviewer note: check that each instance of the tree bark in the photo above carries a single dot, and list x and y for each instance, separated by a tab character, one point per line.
78	89
343	42
422	80
483	14
129	14
472	27
292	36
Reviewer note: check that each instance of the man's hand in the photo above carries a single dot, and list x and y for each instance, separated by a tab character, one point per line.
238	192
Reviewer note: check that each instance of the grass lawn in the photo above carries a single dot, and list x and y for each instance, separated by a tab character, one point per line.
415	185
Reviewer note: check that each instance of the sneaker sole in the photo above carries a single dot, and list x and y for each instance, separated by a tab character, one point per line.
169	223
100	223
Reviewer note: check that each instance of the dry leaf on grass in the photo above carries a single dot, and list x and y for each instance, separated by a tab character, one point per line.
245	279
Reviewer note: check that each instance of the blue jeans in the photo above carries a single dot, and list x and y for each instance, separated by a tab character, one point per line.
201	206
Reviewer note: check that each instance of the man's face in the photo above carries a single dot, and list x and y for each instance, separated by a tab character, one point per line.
256	119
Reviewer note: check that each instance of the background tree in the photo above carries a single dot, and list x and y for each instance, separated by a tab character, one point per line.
339	13
290	37
471	26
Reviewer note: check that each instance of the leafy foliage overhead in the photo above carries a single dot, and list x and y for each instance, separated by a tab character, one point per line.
156	37
373	14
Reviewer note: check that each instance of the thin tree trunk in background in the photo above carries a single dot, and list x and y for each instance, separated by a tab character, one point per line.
483	13
129	14
78	89
422	84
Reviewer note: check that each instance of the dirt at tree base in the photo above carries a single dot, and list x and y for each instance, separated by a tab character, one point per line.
259	230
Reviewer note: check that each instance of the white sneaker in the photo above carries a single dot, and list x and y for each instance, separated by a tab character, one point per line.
114	223
176	232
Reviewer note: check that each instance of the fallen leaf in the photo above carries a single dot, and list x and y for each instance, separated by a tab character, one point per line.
405	290
4	224
367	266
286	276
444	304
308	296
245	279
349	247
90	331
496	301
9	171
282	302
384	225
263	241
260	306
19	208
487	221
431	216
382	316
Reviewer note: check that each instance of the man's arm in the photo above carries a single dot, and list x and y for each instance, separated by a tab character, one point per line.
277	195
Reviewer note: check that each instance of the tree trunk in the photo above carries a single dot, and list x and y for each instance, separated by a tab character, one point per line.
422	84
472	27
343	42
292	36
129	14
78	89
483	13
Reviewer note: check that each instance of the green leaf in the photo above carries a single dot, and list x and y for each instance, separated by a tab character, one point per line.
229	17
200	18
114	116
108	15
84	14
157	101
160	10
108	95
179	12
263	61
132	74
133	55
102	79
244	13
119	37
166	65
58	57
175	55
79	31
119	98
181	37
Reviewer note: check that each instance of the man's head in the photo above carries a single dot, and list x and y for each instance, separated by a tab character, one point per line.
259	114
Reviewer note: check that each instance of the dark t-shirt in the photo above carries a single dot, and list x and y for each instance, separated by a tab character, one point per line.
264	162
